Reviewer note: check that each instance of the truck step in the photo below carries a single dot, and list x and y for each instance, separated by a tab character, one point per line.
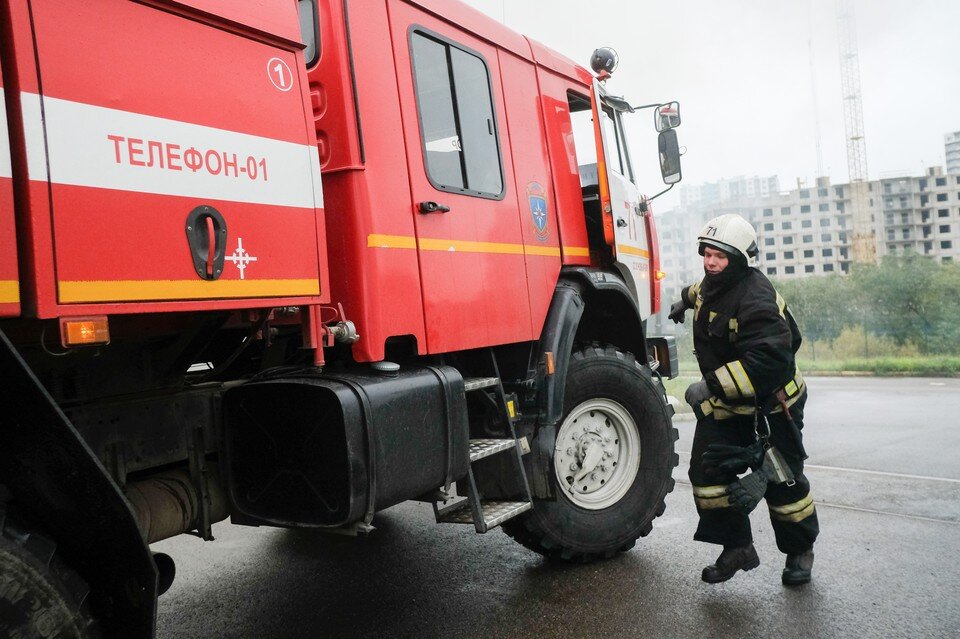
480	448
494	512
476	383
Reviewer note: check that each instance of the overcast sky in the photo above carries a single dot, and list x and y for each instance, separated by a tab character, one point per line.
742	72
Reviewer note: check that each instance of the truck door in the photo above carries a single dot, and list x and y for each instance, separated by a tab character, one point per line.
9	283
469	237
620	200
181	162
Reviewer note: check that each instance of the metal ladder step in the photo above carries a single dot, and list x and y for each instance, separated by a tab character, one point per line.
480	448
476	383
494	512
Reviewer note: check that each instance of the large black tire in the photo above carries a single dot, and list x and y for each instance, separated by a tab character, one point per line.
603	384
39	595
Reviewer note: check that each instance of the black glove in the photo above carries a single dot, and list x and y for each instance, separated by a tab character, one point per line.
677	312
721	458
697	393
746	492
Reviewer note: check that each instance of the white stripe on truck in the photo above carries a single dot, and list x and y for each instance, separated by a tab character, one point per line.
5	169
103	148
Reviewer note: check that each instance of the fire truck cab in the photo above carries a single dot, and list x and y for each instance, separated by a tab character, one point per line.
295	264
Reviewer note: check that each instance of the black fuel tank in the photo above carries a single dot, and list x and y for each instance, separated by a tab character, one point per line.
321	449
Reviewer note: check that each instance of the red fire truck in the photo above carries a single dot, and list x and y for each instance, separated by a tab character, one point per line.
295	262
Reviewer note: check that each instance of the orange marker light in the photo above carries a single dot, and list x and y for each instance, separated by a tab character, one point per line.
660	275
83	331
549	363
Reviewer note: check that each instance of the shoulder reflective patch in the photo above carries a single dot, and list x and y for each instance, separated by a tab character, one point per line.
103	148
781	304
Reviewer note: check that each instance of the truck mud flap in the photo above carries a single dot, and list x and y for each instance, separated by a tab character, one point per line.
324	450
59	483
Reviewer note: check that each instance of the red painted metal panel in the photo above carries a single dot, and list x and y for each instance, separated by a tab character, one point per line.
477	23
221	120
9	278
472	258
331	89
374	270
37	287
534	193
274	17
127	56
560	64
563	161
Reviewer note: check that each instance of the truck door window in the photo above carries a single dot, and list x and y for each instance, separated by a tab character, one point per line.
308	30
457	120
613	151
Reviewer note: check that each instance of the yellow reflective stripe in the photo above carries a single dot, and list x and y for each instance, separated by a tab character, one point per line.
576	251
726	381
710	491
787	509
712	315
794	517
466	246
710	504
633	250
9	291
741	378
791	388
376	240
734	325
153	290
693	292
706	407
781	304
549	251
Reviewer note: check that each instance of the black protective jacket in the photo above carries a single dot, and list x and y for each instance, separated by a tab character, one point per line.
745	341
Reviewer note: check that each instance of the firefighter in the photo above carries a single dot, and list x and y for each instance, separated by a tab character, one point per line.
750	399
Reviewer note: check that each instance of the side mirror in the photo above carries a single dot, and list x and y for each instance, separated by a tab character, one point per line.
669	156
667	116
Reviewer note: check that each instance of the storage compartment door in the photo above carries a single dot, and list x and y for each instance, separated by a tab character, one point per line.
182	166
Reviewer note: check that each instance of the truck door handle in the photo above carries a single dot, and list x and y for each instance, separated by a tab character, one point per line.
207	238
432	207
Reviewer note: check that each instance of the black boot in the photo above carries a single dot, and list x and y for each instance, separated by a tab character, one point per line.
797	570
729	562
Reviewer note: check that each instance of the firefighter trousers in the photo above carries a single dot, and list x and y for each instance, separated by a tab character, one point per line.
792	512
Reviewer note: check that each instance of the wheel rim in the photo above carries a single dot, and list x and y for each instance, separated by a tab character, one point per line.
597	455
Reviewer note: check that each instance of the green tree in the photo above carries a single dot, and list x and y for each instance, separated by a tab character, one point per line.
911	299
820	305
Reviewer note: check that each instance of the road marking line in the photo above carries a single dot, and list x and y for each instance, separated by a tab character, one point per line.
870	510
871	472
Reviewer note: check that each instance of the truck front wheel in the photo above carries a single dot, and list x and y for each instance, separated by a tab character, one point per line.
611	465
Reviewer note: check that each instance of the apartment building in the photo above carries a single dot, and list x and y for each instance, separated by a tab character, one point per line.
809	231
951	147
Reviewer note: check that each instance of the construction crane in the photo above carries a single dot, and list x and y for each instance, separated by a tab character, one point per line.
864	240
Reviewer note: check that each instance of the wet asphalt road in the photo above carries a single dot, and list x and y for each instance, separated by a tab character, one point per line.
885	470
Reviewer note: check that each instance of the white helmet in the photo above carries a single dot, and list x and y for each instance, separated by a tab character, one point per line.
730	233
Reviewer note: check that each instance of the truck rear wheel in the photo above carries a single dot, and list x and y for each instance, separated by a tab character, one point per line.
39	595
612	463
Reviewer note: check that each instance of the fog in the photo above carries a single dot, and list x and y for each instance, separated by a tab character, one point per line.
742	71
